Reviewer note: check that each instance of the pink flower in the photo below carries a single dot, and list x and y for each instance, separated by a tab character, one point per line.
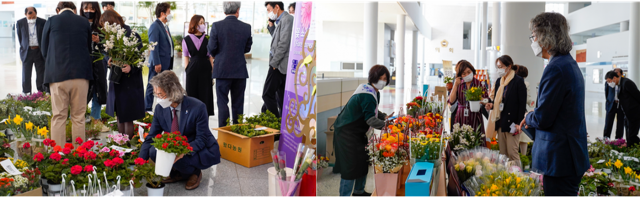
105	150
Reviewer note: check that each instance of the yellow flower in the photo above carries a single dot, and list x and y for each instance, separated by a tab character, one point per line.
29	125
423	143
618	163
415	139
457	167
8	121
508	180
518	179
494	187
17	120
469	168
627	170
43	131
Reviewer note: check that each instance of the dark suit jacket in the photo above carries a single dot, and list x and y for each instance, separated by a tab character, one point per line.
560	138
194	123
22	30
66	48
629	97
230	39
610	95
162	52
515	103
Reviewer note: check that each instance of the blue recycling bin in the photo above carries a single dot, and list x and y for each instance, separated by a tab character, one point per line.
419	181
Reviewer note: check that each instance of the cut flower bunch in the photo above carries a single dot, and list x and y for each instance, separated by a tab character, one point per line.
389	151
503	183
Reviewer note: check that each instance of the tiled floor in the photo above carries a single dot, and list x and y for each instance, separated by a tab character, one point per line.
224	179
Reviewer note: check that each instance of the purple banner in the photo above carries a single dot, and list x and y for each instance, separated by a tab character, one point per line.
299	108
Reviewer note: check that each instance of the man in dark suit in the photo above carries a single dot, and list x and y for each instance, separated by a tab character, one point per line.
29	30
161	57
230	39
177	112
66	47
629	98
274	86
613	109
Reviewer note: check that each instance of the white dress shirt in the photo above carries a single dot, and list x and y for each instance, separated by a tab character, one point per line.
166	28
33	35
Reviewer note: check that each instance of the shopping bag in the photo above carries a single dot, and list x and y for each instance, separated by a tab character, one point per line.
386	184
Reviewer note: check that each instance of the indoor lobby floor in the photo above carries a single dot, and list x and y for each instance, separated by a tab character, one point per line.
224	179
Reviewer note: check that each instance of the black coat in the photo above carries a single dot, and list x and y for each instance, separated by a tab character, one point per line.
22	29
66	47
127	98
515	103
629	98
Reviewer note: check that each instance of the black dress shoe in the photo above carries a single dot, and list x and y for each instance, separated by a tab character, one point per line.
365	194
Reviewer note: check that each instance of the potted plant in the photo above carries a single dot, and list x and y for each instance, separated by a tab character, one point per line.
93	129
53	172
169	146
449	82
474	95
178	49
146	169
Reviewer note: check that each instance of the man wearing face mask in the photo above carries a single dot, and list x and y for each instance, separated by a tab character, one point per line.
68	69
29	30
557	125
273	92
161	57
629	100
359	116
614	109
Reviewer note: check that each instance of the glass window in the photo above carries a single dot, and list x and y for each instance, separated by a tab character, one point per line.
466	36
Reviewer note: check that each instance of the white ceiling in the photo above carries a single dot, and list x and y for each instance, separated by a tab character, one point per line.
354	12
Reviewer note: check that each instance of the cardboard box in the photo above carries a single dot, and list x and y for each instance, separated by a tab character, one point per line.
419	181
33	193
440	91
330	122
329	147
248	152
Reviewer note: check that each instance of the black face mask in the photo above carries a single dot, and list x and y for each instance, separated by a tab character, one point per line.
89	15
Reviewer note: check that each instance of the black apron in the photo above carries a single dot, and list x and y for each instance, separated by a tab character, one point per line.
199	84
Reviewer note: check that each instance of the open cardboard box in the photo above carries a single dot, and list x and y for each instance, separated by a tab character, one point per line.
248	152
33	193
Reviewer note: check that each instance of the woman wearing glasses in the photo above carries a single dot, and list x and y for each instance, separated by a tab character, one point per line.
558	123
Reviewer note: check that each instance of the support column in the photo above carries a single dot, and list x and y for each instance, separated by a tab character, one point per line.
483	37
624	26
634	39
399	60
495	41
414	59
370	37
515	17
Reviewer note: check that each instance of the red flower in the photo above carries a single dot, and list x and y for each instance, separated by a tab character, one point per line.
610	184
46	142
133	153
158	136
26	145
108	163
57	148
52	143
77	169
176	132
90	155
184	144
117	161
164	146
190	148
38	157
114	153
632	188
168	139
88	168
179	138
66	151
65	161
139	161
55	156
88	144
69	145
79	140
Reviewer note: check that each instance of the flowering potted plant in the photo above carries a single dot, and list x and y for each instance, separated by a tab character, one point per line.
465	137
169	146
54	171
122	49
146	169
449	82
474	95
598	183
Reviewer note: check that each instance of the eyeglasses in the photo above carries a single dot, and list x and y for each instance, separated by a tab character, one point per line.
532	38
158	96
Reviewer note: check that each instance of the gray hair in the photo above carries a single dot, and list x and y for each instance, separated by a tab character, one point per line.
169	82
552	32
231	7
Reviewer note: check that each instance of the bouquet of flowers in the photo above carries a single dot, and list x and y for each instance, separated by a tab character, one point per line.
503	183
323	162
388	152
477	162
465	137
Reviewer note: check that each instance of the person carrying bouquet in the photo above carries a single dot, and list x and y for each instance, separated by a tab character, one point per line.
351	127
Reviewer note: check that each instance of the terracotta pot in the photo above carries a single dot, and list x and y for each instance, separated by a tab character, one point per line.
449	86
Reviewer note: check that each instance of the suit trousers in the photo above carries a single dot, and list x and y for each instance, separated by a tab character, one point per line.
634	127
64	94
509	145
561	186
237	88
34	56
615	112
273	92
148	100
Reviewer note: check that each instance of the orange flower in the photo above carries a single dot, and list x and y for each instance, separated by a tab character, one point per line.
57	148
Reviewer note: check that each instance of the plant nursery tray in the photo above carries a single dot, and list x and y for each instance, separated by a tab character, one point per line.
248	152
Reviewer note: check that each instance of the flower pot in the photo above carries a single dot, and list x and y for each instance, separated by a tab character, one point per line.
126	191
54	187
156	192
386	184
164	162
474	106
116	74
449	86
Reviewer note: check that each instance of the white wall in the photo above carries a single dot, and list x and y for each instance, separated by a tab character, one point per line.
447	23
597	15
609	46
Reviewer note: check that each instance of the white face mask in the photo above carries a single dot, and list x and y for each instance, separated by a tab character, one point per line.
31	20
468	78
501	72
380	84
169	17
164	102
537	50
612	84
272	16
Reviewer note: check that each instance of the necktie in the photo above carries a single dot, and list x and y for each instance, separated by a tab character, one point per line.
174	123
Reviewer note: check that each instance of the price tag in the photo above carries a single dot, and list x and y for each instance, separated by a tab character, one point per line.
28	108
141	133
121	149
607	171
140	123
261	129
10	168
600	162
